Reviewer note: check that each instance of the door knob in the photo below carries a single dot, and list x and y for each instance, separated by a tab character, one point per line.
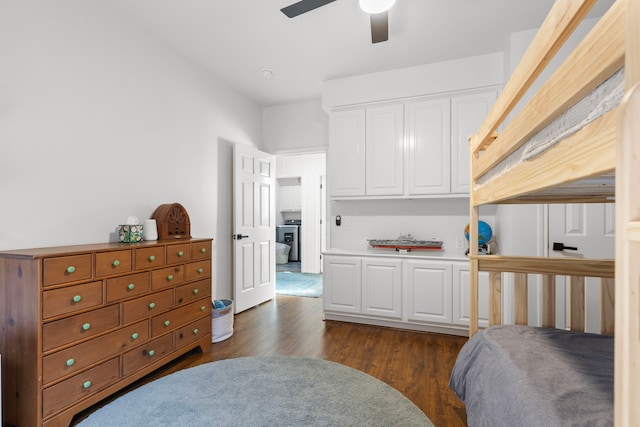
239	236
561	247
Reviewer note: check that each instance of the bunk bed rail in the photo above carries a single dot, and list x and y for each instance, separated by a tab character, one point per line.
577	269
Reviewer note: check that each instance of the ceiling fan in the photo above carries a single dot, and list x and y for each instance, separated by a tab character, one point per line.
377	9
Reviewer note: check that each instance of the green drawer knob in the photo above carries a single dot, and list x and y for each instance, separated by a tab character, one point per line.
152	305
167	323
195	292
195	331
134	336
86	384
180	253
200	270
151	353
86	326
203	250
152	258
70	362
77	298
170	277
116	263
71	269
131	286
203	308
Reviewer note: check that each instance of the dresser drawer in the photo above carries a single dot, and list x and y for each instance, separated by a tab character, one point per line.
200	250
193	331
147	354
147	305
179	317
165	277
66	269
193	291
198	270
149	257
178	253
114	262
127	286
78	357
74	328
71	299
78	387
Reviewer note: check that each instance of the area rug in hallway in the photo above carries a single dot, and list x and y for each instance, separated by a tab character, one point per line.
299	284
262	391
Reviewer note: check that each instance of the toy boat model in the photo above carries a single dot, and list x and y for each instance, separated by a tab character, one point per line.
406	243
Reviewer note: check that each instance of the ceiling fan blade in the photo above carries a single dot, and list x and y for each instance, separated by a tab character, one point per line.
379	27
303	6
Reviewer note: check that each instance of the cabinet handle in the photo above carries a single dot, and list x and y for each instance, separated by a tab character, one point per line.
170	277
77	298
152	305
203	308
151	353
195	331
131	286
167	323
180	253
152	258
116	263
200	270
195	291
86	384
203	250
70	362
86	326
71	269
134	336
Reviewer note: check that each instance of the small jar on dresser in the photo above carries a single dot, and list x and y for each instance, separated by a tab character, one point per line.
81	322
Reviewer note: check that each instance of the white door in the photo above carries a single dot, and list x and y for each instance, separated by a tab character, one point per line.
384	169
254	185
590	229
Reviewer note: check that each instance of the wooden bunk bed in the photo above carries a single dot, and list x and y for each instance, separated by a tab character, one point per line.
600	162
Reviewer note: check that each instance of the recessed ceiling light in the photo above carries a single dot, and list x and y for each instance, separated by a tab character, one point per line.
266	73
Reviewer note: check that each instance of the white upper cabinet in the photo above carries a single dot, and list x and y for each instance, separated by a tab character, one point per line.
384	151
428	151
346	167
467	113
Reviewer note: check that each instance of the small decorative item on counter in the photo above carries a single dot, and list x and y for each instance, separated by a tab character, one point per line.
131	232
406	243
173	221
150	229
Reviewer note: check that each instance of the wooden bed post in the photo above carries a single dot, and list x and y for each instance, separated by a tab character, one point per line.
548	301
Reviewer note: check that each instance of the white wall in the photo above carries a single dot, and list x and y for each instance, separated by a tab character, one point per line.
310	168
98	121
295	128
447	76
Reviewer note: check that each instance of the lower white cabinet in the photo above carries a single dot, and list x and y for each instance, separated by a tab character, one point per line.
408	292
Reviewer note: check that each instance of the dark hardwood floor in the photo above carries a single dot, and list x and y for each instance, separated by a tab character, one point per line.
415	363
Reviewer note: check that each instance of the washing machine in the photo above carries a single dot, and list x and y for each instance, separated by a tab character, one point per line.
289	234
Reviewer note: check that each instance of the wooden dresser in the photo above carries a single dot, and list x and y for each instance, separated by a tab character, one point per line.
81	322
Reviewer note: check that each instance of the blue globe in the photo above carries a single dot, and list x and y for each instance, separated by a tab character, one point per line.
485	233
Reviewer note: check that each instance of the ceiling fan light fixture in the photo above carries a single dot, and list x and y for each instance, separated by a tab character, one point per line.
376	6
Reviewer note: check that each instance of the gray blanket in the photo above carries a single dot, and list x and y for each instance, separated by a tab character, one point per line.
527	376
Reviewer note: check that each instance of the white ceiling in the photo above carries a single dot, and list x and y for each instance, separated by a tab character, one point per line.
236	39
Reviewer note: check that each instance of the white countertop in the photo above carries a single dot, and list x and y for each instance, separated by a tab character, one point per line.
442	255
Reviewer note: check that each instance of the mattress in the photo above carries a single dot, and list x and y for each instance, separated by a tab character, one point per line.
528	376
598	102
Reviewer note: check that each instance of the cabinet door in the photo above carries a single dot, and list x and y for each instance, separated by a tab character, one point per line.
385	151
467	114
290	198
428	291
347	153
382	287
428	153
341	284
461	296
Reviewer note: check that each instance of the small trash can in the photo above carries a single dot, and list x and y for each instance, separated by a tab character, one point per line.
282	253
222	321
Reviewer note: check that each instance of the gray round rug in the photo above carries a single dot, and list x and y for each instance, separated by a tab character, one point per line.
262	391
